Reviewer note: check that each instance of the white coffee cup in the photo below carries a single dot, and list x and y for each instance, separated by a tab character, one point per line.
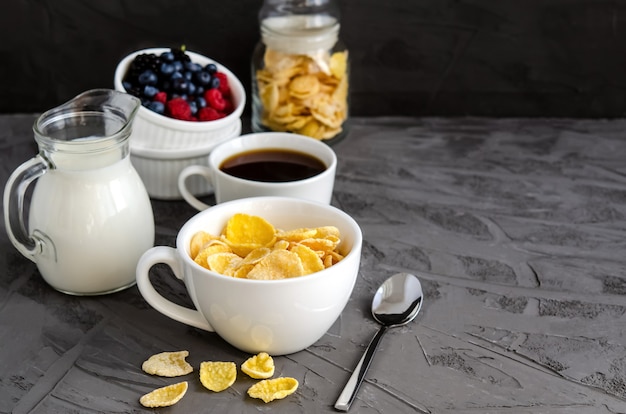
227	187
274	316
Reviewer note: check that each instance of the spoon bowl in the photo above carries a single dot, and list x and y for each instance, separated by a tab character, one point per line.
396	302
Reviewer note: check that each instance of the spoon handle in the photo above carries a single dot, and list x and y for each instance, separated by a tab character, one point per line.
352	386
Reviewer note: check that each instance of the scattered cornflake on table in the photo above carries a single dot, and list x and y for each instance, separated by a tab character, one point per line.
164	396
273	389
217	376
260	366
168	364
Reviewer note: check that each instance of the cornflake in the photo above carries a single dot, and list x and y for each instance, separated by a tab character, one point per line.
260	366
164	396
273	389
217	376
168	364
244	233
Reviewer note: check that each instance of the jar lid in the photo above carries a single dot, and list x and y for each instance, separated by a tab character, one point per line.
298	34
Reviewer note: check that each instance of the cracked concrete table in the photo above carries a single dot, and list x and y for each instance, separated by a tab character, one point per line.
516	228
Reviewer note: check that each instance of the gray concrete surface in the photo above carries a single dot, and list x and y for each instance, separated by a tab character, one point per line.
516	228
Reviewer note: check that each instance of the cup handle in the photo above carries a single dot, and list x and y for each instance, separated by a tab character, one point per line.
168	256
200	170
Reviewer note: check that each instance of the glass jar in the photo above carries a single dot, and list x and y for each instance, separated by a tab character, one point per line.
300	70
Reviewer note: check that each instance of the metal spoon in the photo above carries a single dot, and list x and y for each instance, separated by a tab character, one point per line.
396	302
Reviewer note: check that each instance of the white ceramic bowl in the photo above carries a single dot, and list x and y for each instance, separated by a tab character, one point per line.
159	169
161	147
274	316
153	131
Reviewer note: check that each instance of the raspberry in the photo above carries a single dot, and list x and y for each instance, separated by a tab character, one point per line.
178	108
224	86
215	99
160	97
209	114
229	108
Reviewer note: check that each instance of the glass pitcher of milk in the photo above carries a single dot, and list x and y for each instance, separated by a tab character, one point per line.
90	217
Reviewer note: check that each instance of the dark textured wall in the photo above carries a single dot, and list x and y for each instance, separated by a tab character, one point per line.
417	57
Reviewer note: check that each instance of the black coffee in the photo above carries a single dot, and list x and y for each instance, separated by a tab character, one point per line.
273	165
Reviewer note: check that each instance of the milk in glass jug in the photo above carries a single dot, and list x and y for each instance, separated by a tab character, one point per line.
90	217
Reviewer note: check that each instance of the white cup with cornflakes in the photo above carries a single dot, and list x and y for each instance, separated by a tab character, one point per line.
266	164
274	316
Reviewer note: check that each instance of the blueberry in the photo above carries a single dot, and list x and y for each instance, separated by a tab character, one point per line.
193	67
180	85
176	75
167	56
211	68
149	91
156	106
148	77
215	83
127	85
201	102
191	88
194	107
188	75
178	65
167	68
199	90
203	78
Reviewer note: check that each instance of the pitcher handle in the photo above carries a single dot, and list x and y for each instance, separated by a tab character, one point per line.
30	245
168	256
200	170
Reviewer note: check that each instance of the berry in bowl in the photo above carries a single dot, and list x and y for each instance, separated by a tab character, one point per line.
189	100
190	104
171	84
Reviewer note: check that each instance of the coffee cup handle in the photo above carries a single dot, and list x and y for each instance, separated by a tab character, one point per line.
200	170
168	256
